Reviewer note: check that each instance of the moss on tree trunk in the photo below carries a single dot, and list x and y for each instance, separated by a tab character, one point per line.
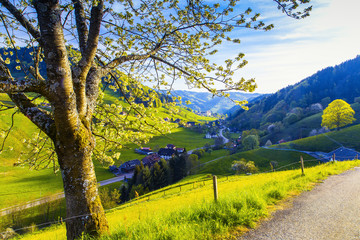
85	214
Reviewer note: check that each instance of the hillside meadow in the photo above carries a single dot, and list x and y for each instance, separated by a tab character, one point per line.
261	157
21	183
348	137
191	213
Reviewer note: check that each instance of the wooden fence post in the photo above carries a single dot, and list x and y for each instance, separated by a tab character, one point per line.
334	157
215	188
302	165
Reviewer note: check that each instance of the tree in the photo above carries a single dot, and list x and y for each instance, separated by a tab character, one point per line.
178	167
219	141
251	142
165	174
84	45
192	161
242	166
246	133
156	172
338	114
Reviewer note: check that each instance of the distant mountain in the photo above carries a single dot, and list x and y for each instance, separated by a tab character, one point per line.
204	101
309	96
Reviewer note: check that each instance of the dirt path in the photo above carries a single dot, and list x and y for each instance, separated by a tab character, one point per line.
330	211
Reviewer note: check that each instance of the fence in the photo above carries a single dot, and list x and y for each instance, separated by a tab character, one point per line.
208	182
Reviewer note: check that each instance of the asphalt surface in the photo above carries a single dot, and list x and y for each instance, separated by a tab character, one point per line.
331	211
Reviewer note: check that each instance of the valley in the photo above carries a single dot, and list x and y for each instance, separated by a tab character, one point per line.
98	139
22	184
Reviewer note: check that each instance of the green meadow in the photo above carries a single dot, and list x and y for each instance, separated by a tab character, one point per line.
348	137
21	183
191	213
261	157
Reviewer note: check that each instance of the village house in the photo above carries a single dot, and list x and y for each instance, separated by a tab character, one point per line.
214	135
180	150
170	146
143	150
151	159
129	165
166	153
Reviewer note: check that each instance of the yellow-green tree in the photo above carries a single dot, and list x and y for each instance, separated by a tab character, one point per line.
338	114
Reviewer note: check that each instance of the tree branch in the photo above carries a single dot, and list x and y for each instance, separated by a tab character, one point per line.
81	24
23	21
39	117
9	85
132	57
81	71
8	131
16	89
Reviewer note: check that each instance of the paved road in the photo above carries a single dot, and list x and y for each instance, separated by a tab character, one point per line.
221	135
331	211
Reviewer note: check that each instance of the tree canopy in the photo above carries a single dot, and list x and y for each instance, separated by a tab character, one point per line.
121	44
250	142
338	114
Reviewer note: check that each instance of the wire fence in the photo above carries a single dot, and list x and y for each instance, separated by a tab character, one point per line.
175	190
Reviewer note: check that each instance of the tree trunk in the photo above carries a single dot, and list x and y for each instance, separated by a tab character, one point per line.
84	211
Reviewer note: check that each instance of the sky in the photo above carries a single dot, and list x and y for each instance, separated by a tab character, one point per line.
296	49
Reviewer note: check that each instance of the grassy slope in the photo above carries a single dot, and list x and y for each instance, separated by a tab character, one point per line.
261	157
192	214
305	125
33	184
349	137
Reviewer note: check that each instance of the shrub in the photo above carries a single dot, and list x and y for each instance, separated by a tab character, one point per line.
291	118
244	167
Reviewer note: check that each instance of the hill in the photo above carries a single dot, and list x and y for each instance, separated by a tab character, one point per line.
23	183
304	99
204	101
187	210
347	137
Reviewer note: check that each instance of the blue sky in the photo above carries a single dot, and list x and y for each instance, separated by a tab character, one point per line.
296	49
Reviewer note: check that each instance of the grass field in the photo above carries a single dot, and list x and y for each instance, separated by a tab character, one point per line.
192	213
261	157
33	184
348	137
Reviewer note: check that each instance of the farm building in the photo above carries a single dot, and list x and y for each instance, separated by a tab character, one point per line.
151	159
166	153
129	165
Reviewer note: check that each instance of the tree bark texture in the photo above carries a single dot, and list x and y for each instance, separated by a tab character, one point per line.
73	142
85	213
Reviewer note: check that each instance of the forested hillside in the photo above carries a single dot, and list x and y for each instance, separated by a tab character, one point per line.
302	100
